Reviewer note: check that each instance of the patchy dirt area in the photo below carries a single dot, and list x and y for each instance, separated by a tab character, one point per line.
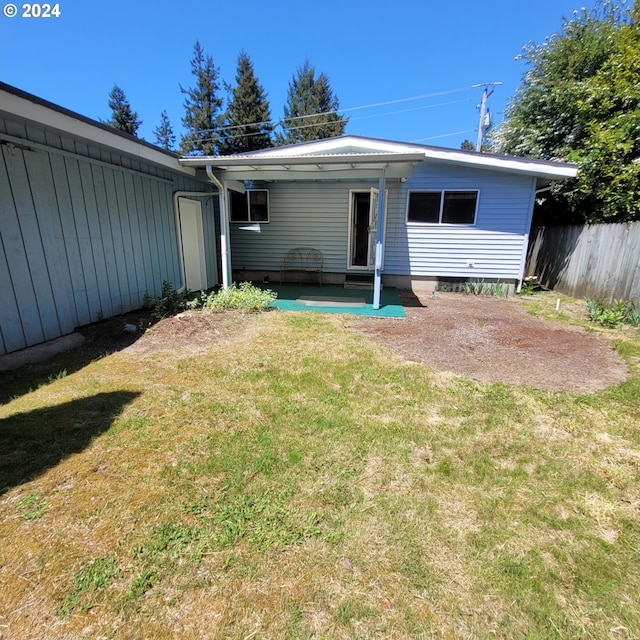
482	338
496	340
190	332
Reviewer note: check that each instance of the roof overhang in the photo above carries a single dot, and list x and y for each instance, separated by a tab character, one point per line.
357	157
27	107
310	167
505	164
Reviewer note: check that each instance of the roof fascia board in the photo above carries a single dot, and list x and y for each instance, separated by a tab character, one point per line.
311	160
79	127
393	153
524	166
472	158
271	174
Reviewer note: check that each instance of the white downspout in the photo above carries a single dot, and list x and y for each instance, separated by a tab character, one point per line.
176	211
377	276
224	229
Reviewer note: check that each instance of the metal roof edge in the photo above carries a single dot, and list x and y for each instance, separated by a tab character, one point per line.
317	159
303	153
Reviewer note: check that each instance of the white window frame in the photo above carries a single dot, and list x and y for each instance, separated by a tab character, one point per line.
442	193
248	197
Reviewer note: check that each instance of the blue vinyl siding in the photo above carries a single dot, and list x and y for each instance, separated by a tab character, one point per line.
85	233
309	214
495	243
316	214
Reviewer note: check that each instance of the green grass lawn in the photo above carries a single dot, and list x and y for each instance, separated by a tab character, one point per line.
299	481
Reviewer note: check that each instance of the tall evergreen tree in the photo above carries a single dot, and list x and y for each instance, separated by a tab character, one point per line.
122	116
247	121
165	137
202	105
306	97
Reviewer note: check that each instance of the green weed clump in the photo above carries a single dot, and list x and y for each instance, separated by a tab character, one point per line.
91	578
480	287
169	302
245	297
528	288
615	313
33	506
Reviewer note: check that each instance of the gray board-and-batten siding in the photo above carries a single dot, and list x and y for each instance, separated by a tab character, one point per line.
316	214
85	232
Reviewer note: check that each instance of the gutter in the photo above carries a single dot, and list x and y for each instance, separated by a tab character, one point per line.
224	228
315	159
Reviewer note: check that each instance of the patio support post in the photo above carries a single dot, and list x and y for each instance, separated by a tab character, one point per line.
225	250
381	222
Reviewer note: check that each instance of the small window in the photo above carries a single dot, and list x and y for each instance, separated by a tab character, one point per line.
251	206
424	206
459	207
442	207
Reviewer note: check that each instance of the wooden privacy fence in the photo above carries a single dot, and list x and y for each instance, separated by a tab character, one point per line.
587	260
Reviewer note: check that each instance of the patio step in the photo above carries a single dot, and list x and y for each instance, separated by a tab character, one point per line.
359	281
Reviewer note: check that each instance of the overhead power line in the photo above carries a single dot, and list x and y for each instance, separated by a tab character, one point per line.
422	97
314	124
444	135
283	121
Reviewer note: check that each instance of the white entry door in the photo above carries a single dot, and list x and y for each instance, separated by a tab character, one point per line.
192	237
373	227
363	222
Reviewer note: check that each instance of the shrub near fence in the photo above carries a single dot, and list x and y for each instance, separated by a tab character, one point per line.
600	260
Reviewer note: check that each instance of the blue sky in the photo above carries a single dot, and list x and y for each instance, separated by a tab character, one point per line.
373	52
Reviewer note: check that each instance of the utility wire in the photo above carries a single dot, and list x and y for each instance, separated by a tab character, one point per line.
315	124
444	135
282	121
422	97
392	113
315	115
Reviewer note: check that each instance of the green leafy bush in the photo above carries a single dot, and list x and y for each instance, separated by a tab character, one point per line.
529	287
168	303
245	297
613	314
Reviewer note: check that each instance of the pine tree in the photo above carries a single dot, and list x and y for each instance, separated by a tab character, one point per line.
307	96
165	137
247	125
122	117
202	106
